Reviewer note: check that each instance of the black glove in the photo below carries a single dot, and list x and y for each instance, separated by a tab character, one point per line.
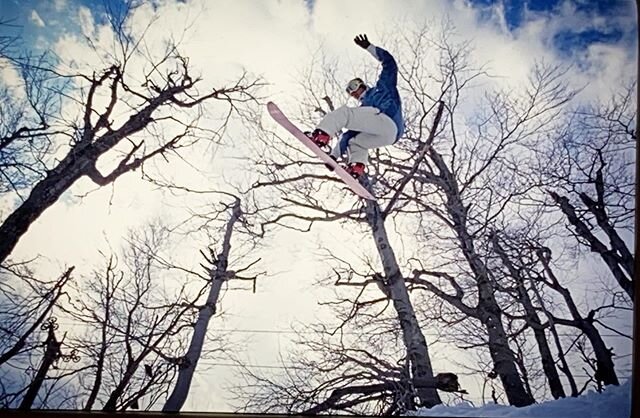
362	41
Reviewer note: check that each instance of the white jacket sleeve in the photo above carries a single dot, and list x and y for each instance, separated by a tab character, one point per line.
372	50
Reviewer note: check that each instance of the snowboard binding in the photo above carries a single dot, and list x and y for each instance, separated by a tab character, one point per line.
320	138
355	170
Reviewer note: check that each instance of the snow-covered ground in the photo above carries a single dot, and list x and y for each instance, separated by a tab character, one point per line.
613	402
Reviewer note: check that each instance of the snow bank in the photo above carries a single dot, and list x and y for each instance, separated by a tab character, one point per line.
613	402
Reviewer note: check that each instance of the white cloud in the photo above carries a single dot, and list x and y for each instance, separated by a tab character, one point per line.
59	5
10	77
276	38
36	19
85	20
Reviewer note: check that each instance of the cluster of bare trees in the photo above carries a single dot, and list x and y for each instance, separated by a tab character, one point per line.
478	214
498	200
134	329
129	334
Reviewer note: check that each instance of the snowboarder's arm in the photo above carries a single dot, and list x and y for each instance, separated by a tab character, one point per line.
389	74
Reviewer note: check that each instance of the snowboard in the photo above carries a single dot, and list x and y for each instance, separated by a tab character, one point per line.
353	184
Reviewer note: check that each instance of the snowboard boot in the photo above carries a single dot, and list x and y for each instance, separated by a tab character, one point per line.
320	138
355	169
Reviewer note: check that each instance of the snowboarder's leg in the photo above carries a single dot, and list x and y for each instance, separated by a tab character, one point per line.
360	145
362	119
380	131
375	130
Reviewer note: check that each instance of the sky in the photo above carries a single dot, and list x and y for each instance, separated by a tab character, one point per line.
276	40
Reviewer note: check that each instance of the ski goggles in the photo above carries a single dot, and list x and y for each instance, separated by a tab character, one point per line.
354	85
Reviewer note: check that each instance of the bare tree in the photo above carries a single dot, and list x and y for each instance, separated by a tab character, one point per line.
27	303
606	371
517	273
533	262
439	180
51	354
6	41
26	137
391	284
133	326
120	123
218	272
128	116
26	103
358	367
553	329
304	205
464	184
589	169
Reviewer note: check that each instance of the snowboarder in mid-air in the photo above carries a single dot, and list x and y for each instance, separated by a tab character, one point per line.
377	122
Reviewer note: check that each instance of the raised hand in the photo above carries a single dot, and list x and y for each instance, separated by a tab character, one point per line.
362	41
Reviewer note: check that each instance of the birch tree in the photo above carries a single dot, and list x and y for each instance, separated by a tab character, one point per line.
220	270
586	324
531	317
539	290
400	180
294	175
468	179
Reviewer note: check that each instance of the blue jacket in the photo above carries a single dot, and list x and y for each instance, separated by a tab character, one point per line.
383	95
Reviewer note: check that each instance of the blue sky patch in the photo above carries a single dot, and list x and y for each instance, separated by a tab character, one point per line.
568	41
572	39
34	19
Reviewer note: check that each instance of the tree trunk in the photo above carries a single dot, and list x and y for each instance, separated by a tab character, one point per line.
491	316
548	363
532	319
564	366
414	340
97	382
51	353
42	196
611	259
488	309
51	302
605	368
131	368
598	210
503	358
218	275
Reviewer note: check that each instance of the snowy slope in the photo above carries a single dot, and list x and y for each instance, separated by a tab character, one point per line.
614	402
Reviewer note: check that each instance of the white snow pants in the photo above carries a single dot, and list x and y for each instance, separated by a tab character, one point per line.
375	130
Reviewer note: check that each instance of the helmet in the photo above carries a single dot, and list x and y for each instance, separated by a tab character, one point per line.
354	85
